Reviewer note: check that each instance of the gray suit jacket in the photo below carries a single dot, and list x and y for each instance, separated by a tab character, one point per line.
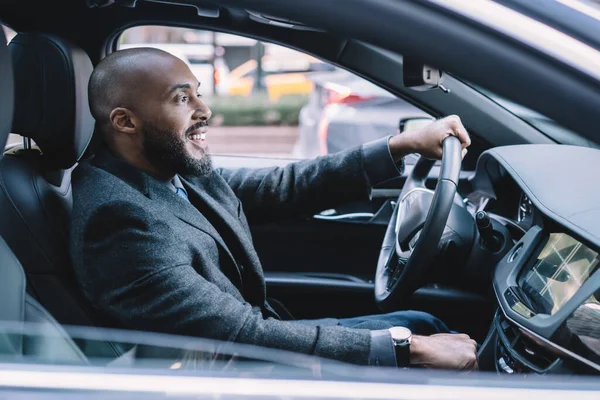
148	259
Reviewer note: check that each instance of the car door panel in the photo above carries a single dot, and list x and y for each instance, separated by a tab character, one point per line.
323	265
322	295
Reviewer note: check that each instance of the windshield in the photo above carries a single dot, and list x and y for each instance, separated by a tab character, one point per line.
546	125
540	26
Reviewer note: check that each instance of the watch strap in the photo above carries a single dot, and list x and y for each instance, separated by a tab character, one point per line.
402	353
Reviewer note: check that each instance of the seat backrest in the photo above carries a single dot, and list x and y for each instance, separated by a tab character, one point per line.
17	307
43	339
51	108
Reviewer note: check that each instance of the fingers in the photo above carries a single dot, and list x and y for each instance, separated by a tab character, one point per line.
471	365
470	357
474	362
459	130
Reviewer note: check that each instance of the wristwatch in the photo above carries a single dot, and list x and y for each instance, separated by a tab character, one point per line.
401	338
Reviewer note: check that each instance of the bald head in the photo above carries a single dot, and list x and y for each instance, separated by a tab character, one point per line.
149	111
120	79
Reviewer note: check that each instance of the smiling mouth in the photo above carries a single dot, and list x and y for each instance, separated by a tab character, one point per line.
198	134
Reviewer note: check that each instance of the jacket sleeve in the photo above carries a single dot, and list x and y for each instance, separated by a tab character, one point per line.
138	271
307	187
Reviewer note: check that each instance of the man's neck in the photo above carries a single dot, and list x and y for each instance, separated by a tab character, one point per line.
140	162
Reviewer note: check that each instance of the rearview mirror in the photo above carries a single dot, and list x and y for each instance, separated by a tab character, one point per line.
413	124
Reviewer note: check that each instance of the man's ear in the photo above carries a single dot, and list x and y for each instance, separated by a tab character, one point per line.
123	120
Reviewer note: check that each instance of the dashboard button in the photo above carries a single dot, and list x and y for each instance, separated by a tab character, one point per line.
516	304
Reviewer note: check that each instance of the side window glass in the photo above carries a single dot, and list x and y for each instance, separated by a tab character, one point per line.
271	101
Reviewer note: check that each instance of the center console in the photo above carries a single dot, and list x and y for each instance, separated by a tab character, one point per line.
548	319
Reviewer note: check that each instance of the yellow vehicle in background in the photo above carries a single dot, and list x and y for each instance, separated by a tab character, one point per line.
282	75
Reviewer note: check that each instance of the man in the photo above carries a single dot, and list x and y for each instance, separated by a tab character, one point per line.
161	242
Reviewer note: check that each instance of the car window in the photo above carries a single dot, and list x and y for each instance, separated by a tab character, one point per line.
79	346
272	101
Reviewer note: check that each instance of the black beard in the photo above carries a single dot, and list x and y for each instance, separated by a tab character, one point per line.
167	150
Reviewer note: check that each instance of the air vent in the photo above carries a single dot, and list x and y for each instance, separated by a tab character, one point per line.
525	212
519	353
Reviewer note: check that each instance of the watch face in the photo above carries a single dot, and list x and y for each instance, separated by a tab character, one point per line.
400	333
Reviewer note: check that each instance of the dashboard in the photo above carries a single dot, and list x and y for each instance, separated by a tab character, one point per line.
548	284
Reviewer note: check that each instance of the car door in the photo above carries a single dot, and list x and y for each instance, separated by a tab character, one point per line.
323	265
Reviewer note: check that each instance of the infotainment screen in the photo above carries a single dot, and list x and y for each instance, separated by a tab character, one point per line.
561	268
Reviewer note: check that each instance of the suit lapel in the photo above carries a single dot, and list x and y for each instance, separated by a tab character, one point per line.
204	190
212	195
184	211
165	198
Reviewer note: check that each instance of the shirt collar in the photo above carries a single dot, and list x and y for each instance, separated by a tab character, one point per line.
176	183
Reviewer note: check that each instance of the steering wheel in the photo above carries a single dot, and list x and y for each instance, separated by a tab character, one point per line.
411	241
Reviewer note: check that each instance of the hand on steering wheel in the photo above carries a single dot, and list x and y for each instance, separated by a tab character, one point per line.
428	142
410	246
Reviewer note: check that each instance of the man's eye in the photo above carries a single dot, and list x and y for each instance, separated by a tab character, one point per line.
198	95
182	99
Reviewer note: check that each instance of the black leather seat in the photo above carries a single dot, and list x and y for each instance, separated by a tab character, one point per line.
54	345
51	108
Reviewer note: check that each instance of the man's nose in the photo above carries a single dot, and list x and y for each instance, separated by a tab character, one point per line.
203	113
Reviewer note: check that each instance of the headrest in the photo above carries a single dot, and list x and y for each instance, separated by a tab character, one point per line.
51	98
6	92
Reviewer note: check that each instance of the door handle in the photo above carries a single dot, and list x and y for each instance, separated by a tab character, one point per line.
364	216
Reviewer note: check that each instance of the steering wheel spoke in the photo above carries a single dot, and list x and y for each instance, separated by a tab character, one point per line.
396	273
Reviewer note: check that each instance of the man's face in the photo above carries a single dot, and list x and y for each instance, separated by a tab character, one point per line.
168	149
173	120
